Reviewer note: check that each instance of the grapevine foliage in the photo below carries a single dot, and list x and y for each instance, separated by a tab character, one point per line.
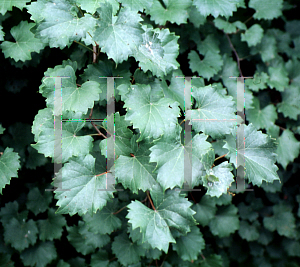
144	218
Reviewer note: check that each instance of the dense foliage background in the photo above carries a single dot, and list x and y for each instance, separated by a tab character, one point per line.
149	43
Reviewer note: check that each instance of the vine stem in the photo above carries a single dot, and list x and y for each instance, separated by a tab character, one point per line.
192	197
83	45
150	201
126	206
283	129
119	210
236	54
102	173
221	157
91	113
92	134
80	10
98	130
248	19
112	259
163	260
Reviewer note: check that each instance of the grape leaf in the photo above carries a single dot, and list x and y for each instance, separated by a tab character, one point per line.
118	36
267	9
223	173
195	17
137	5
39	255
174	11
137	237
122	137
72	145
158	51
75	98
125	250
10	211
134	171
152	118
208	67
288	148
7	5
209	44
20	234
2	129
107	68
34	196
100	258
84	241
225	222
290	102
172	210
52	227
61	24
253	35
266	48
190	246
92	5
79	175
25	43
259	154
258	82
35	159
262	118
9	165
216	7
169	155
282	220
249	232
104	221
205	210
16	140
34	8
212	104
2	33
229	27
278	78
247	213
212	260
